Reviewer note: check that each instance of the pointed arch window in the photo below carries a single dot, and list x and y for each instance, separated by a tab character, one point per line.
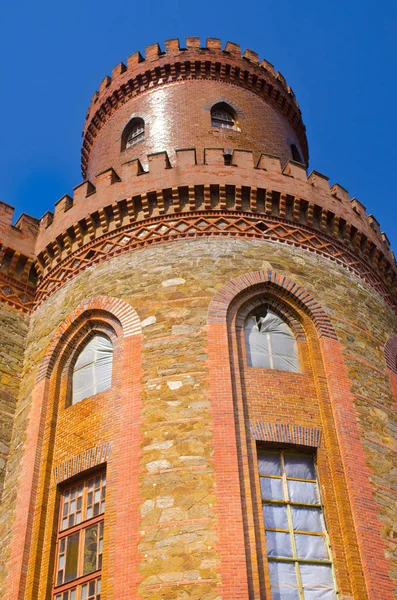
92	372
270	342
133	133
223	116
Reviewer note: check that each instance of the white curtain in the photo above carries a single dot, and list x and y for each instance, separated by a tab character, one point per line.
92	372
270	343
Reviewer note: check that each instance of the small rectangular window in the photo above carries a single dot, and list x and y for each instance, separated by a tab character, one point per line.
80	540
298	551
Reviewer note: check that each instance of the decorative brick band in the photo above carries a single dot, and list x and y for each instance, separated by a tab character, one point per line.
83	461
220	303
207	224
391	354
286	433
16	294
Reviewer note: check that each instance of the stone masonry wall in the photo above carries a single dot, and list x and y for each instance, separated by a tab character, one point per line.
170	286
13	331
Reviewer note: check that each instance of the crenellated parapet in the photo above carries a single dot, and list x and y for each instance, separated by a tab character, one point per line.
226	195
18	275
193	62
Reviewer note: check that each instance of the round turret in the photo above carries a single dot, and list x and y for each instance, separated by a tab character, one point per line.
199	355
193	97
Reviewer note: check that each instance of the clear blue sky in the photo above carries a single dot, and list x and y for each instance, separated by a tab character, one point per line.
338	56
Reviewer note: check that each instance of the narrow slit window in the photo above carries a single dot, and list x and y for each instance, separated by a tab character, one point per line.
270	342
298	552
92	371
296	156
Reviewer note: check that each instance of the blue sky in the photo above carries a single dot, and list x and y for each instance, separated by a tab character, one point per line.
338	56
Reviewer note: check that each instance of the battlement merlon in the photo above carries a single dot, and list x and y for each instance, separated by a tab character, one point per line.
21	236
153	53
329	206
164	67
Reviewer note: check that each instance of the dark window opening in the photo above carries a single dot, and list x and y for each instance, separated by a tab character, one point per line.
296	154
223	116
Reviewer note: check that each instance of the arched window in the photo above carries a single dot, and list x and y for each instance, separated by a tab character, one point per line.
296	154
223	116
270	342
92	372
133	133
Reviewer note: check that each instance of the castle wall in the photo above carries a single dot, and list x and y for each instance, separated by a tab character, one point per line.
13	331
171	286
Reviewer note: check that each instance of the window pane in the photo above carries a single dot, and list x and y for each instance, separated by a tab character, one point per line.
272	489
283	581
275	516
317	582
299	466
90	549
302	491
307	519
92	372
257	344
278	544
311	546
269	464
72	553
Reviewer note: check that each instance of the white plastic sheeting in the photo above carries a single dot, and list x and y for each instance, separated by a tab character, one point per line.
270	343
92	372
317	582
294	532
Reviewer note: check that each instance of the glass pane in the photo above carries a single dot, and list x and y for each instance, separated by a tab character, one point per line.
269	464
310	546
90	549
317	582
275	517
283	581
84	590
299	465
73	595
307	519
72	552
302	491
278	544
272	489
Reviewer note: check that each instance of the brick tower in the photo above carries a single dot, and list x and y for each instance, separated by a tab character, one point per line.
198	355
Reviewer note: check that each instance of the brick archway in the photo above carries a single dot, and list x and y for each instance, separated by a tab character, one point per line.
34	483
123	312
230	452
391	363
243	284
391	354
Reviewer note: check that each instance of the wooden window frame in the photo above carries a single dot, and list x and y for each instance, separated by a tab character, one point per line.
295	560
86	522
